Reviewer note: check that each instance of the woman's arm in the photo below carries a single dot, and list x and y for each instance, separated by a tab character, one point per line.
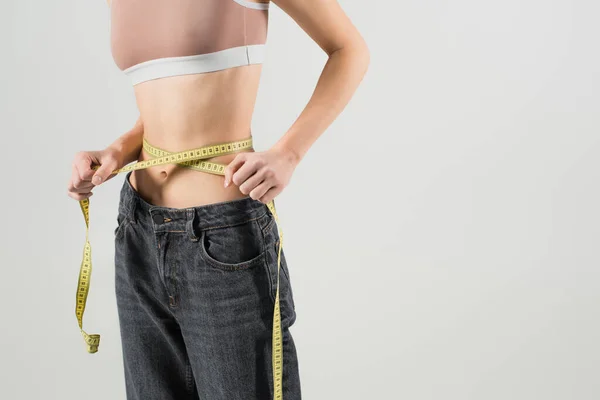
120	153
263	175
327	24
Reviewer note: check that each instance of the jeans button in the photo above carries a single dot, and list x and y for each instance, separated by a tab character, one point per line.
158	219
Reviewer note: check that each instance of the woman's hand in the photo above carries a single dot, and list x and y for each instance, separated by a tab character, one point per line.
84	178
262	175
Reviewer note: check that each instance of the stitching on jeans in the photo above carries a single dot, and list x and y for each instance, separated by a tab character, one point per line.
282	263
229	225
188	378
234	224
164	209
267	267
246	265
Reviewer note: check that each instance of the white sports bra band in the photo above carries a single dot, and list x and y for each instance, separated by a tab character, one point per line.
253	5
185	65
245	3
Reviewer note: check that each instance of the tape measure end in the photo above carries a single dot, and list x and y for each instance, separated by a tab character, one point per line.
92	349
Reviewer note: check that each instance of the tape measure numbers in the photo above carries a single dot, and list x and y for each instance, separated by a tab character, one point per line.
193	159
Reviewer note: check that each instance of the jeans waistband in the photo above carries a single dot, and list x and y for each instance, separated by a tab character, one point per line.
191	219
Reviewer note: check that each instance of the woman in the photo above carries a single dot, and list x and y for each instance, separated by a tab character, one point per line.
196	254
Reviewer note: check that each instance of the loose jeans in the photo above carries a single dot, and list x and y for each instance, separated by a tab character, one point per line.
195	294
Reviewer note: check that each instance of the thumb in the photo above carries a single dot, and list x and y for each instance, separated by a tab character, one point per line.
104	171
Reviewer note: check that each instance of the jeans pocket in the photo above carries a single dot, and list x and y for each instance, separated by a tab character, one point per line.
233	247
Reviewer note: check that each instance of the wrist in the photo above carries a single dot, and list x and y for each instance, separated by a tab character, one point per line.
118	150
128	146
288	153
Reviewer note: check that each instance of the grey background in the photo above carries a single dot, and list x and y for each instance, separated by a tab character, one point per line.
441	235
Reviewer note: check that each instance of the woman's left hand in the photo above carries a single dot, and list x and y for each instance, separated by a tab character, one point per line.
262	175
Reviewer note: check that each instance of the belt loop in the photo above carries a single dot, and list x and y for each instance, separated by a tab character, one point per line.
131	199
131	210
189	225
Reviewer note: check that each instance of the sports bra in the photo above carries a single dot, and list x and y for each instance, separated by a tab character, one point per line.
152	39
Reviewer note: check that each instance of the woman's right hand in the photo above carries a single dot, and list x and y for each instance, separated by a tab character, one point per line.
84	178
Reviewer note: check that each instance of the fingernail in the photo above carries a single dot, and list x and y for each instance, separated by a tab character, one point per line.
96	179
225	183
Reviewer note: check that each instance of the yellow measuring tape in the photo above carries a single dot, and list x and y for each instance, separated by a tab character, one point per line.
190	159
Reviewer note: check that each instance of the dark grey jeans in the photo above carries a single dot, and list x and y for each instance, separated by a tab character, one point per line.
195	293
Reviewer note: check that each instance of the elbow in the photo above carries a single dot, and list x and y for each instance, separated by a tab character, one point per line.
364	56
360	56
356	53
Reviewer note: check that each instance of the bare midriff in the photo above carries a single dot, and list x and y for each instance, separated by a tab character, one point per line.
189	111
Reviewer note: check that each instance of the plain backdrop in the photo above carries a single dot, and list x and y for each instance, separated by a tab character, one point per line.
442	236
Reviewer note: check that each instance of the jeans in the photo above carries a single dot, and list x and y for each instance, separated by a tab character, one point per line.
195	291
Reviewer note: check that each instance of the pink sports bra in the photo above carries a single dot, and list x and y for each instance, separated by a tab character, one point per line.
152	39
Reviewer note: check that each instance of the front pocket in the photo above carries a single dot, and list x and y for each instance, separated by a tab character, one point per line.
233	247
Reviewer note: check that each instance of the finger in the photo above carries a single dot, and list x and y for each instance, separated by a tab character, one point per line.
104	172
83	165
270	194
80	196
247	170
82	190
252	182
233	166
260	190
76	183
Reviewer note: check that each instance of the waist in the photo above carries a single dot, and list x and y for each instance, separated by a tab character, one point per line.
191	111
176	186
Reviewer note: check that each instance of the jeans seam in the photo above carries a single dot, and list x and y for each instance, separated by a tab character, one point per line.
267	264
281	265
189	378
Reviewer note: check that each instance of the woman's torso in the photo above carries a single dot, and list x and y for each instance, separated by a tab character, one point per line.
184	111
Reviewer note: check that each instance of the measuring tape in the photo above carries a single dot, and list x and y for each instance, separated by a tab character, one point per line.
190	159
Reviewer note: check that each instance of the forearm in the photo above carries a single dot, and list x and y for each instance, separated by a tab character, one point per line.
129	144
341	75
